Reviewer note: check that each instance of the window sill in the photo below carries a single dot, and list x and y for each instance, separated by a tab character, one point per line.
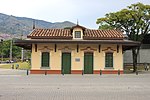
45	68
108	68
78	38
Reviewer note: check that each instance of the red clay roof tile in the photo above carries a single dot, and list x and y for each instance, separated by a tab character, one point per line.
50	33
88	34
102	34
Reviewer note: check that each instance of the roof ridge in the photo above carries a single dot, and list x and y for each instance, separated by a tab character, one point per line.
104	30
51	29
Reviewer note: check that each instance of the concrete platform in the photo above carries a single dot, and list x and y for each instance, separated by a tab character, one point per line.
75	87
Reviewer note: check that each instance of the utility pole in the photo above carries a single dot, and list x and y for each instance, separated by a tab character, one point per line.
2	49
11	49
22	55
22	50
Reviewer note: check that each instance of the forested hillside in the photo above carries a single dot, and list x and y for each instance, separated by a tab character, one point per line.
21	25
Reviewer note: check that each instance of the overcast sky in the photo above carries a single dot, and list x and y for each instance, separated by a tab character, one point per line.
86	11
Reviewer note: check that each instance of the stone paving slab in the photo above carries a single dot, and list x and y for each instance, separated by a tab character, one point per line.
75	87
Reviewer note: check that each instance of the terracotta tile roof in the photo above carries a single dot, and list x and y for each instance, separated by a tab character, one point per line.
50	34
102	34
78	26
66	34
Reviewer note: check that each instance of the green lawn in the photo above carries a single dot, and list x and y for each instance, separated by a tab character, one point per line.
22	65
141	67
129	69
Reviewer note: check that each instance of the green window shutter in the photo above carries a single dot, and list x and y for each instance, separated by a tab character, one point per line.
45	59
109	60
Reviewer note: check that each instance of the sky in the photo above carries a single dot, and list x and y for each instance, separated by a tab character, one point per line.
85	11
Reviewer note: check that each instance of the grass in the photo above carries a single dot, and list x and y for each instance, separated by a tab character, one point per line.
129	69
141	67
22	65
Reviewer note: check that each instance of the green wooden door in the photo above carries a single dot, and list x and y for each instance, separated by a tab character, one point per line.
88	63
66	63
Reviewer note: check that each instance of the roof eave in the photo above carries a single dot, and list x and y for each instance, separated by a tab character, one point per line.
27	44
102	38
77	41
47	37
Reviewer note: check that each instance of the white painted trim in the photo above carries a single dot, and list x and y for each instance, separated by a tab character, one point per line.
77	29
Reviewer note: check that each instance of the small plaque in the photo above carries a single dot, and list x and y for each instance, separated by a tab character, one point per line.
77	59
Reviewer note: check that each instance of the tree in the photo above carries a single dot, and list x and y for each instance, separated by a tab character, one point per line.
134	20
5	50
67	28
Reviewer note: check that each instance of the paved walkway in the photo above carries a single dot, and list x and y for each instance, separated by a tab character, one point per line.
24	72
12	72
75	87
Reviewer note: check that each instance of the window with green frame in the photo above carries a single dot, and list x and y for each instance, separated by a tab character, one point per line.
45	59
109	60
77	34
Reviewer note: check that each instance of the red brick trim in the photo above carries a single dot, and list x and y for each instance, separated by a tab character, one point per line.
45	71
54	72
111	72
107	72
76	71
37	71
96	72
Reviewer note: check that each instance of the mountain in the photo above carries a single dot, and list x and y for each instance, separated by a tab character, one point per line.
21	25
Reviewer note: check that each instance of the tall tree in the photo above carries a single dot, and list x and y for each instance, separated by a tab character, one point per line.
134	20
5	50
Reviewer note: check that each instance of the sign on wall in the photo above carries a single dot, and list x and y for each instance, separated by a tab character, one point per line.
77	59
